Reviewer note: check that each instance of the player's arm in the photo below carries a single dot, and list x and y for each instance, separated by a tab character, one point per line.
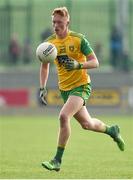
44	72
92	61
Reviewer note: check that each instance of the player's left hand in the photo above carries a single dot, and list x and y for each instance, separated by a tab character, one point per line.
72	64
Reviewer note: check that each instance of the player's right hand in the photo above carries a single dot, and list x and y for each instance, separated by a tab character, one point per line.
72	64
42	95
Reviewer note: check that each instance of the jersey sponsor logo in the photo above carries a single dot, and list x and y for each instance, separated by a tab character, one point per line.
62	59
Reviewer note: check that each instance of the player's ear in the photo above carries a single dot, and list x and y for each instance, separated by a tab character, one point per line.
68	23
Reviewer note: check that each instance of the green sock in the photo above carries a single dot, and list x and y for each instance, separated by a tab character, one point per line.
109	130
59	153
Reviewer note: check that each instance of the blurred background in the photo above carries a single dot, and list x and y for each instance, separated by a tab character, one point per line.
107	24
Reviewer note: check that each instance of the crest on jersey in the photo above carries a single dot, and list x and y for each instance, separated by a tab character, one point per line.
71	48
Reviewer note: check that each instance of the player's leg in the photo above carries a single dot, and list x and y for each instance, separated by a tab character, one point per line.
94	124
72	106
89	123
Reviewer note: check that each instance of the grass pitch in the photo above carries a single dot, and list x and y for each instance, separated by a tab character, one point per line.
27	141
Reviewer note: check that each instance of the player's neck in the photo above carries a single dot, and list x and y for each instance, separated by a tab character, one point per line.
63	35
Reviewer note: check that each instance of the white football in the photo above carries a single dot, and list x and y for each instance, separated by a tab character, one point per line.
46	52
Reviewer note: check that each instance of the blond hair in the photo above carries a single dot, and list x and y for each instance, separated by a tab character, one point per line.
62	11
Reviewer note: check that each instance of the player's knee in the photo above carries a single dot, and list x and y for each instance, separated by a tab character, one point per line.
63	119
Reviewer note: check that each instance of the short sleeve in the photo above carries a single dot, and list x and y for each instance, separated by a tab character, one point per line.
85	47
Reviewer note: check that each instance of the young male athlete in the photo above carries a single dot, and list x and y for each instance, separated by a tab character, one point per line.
75	56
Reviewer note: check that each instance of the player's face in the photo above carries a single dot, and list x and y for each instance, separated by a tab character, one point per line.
60	25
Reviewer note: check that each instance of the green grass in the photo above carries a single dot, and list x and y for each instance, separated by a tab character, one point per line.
27	141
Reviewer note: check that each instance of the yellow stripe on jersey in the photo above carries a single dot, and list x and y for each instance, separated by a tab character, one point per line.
76	46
